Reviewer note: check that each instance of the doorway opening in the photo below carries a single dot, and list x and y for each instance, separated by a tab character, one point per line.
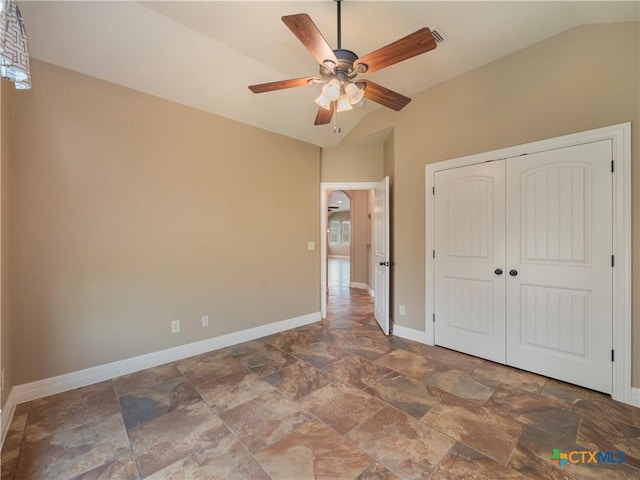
365	231
339	243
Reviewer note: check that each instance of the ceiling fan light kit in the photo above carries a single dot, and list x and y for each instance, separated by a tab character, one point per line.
340	67
347	95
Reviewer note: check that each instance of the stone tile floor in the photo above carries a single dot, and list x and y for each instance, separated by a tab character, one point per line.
333	400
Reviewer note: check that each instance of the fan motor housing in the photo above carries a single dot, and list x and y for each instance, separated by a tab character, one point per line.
343	70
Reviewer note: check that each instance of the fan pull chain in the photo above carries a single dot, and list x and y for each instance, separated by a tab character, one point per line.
336	128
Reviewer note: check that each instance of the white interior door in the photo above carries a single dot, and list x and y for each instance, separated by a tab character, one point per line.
559	290
381	254
470	259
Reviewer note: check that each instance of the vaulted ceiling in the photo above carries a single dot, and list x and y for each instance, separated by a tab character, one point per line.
204	54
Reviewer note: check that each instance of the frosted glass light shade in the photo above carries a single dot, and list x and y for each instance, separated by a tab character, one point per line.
331	90
344	104
354	93
323	102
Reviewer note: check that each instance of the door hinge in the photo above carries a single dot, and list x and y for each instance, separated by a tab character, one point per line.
433	254
612	356
612	166
434	317
613	261
433	190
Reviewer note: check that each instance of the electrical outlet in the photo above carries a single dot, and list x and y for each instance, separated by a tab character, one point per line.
205	320
175	326
401	310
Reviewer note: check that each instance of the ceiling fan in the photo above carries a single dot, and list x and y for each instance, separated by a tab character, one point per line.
340	68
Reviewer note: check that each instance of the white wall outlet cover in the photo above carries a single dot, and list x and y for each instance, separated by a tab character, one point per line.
175	326
311	245
205	320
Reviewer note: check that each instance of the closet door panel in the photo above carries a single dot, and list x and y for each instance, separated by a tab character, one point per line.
559	299
469	249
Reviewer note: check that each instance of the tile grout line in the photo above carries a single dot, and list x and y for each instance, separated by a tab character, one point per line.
133	453
242	443
515	444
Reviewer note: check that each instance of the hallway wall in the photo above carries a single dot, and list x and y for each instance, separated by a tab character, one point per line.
359	240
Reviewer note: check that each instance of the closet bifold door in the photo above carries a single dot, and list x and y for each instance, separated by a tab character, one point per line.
470	273
558	264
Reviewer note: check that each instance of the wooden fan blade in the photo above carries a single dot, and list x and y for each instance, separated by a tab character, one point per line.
282	84
384	96
303	27
417	43
324	116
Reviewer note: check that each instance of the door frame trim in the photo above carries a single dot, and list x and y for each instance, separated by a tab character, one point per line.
325	187
620	135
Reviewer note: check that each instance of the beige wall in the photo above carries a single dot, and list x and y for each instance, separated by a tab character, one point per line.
352	163
359	247
5	318
130	211
582	79
388	160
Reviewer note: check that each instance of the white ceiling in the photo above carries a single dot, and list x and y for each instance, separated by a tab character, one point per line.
205	53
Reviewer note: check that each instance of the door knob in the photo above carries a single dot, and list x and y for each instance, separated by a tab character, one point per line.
513	273
498	271
381	264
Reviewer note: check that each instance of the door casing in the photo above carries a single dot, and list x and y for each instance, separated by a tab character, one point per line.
620	135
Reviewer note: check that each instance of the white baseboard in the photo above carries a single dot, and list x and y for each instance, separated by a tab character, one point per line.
89	376
410	333
635	397
360	285
6	415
